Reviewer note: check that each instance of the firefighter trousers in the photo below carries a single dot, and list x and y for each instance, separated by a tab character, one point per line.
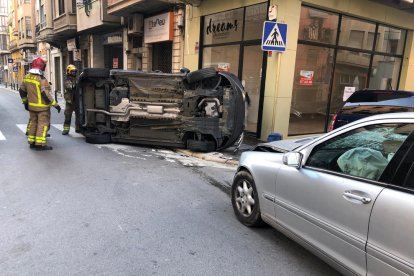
39	124
68	116
30	123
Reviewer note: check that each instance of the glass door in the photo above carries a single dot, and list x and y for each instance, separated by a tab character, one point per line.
251	80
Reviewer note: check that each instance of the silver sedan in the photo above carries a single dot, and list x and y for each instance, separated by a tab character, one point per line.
348	196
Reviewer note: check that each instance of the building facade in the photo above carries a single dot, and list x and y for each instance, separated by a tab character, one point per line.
4	41
22	41
332	49
152	35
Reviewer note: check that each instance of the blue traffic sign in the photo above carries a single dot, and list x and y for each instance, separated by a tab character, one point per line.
274	36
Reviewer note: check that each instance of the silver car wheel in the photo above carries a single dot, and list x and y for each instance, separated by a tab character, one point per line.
245	198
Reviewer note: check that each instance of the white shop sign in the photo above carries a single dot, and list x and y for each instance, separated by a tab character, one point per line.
159	28
71	44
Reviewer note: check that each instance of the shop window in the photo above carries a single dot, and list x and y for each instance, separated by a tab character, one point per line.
310	90
253	23
355	67
316	25
384	72
352	67
392	41
354	33
224	58
223	27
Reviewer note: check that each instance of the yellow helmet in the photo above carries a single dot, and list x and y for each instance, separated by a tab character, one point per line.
71	70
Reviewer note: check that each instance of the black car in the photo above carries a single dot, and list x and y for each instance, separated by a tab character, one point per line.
365	103
201	110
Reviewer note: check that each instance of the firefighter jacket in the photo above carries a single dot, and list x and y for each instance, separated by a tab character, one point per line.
70	84
36	92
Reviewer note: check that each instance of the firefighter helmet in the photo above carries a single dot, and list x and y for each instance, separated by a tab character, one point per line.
71	70
39	63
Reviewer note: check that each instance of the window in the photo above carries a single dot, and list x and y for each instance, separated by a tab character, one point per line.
20	23
392	40
73	6
255	16
359	43
317	25
222	56
28	26
223	27
3	42
364	152
310	89
354	33
61	6
384	72
42	17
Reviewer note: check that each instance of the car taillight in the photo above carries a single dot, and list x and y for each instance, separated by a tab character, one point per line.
331	125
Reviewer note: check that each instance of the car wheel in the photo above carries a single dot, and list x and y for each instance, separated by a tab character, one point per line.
202	146
97	138
95	73
201	74
245	200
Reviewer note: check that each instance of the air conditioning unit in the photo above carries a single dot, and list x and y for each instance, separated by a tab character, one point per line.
136	24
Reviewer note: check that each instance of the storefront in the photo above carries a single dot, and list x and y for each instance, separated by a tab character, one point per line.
113	51
159	34
332	49
231	41
338	54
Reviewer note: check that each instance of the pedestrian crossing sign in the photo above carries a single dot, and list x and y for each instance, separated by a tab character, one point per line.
274	36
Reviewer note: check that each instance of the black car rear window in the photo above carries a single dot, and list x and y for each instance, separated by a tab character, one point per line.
391	98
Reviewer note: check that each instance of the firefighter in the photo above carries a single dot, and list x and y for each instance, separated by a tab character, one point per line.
37	99
70	84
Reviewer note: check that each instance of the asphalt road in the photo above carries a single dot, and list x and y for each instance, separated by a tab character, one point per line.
84	209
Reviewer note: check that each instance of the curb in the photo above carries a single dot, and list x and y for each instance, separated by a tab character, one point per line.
219	158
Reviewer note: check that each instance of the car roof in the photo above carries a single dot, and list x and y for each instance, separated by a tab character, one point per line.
375	96
398	115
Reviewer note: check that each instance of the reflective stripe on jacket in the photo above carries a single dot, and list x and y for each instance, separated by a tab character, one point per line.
38	92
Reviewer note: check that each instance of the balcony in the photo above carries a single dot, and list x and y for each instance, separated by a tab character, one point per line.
13	45
94	17
27	43
65	25
129	7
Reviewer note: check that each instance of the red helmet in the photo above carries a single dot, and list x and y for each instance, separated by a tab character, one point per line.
39	63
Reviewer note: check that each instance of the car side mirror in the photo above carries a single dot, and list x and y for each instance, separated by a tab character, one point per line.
293	159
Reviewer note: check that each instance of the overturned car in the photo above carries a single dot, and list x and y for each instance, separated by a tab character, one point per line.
201	110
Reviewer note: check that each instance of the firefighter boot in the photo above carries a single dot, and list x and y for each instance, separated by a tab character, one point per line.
40	148
66	128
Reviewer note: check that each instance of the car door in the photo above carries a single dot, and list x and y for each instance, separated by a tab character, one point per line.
390	247
328	201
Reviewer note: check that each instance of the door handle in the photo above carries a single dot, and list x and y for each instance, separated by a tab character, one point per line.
363	199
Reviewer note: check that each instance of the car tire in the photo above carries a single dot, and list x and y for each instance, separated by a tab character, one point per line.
95	73
245	200
201	74
201	146
97	138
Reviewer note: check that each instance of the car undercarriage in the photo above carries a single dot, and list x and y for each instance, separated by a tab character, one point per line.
201	110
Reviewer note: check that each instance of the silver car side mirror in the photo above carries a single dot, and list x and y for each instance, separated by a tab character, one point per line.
293	159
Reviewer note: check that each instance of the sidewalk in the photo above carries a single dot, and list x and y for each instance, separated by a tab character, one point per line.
227	156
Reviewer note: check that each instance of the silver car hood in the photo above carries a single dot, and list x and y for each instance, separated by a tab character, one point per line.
284	145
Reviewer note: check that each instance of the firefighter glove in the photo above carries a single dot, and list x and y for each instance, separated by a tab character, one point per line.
26	106
58	108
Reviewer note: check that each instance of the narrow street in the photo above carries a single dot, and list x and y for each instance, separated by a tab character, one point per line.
84	209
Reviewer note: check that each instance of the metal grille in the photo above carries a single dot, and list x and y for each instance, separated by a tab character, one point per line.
162	57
